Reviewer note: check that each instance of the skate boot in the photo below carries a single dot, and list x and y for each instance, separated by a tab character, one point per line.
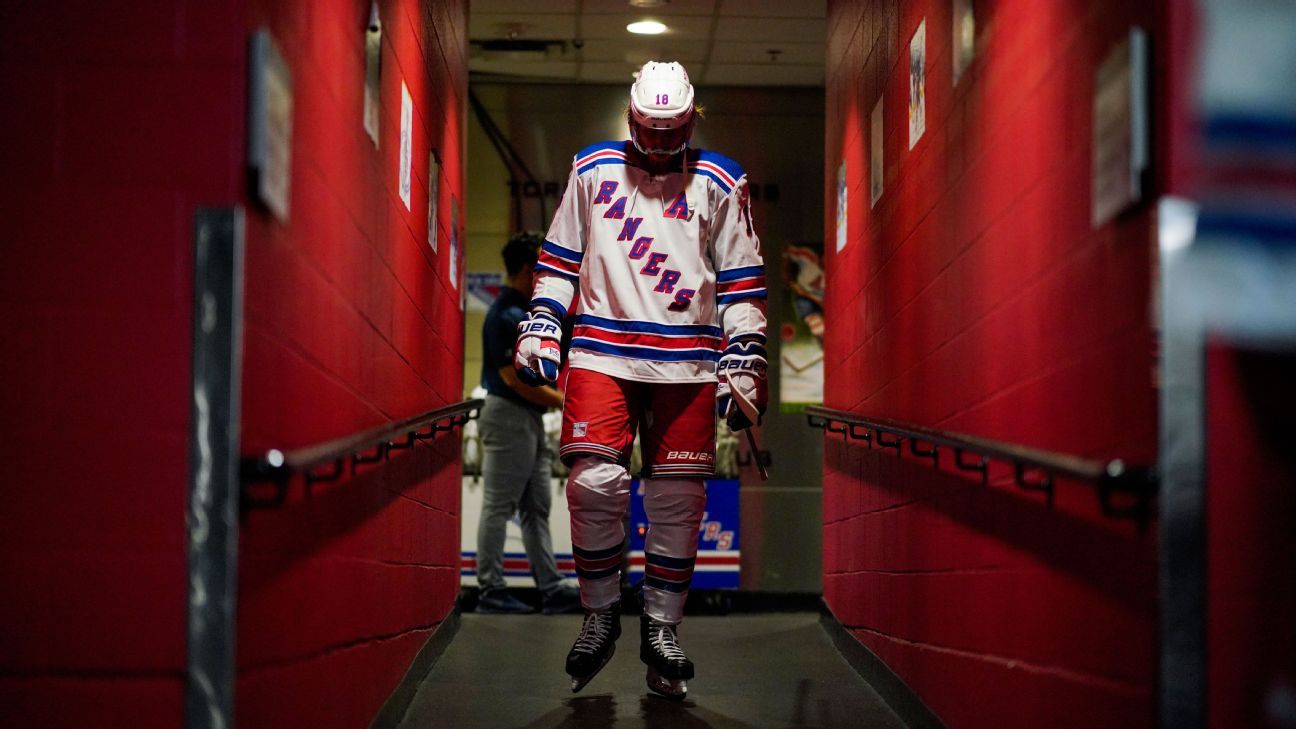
594	646
668	668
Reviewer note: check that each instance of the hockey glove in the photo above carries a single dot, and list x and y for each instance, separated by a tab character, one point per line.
743	392
537	355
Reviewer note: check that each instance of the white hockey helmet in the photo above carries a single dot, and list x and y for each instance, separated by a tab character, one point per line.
661	108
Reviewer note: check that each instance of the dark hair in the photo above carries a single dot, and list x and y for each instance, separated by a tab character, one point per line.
521	249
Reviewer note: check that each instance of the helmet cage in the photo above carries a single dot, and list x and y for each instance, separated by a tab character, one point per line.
659	141
661	108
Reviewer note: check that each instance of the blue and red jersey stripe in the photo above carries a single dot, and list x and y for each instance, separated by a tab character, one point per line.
722	170
716	173
647	340
734	284
650	327
560	260
603	153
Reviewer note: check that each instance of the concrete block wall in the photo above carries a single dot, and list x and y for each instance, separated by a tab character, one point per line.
119	123
353	321
116	126
976	296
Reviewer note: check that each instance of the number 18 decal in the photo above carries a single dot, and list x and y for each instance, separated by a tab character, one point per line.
663	99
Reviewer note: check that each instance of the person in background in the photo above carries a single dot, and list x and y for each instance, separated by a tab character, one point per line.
516	460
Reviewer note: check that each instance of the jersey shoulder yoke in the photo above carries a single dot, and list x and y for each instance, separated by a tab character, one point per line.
600	153
724	171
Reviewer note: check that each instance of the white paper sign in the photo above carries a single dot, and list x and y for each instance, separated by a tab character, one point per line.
270	114
434	189
841	206
406	144
1120	128
454	241
918	84
876	167
373	73
964	37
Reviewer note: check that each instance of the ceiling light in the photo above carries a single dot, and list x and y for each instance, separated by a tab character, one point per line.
648	3
646	27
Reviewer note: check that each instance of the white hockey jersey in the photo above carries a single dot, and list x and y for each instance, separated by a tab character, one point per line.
653	263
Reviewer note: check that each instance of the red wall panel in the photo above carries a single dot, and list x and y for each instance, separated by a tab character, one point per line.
351	322
119	125
976	296
130	120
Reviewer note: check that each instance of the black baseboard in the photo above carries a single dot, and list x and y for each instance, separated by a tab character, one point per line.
893	690
699	602
393	710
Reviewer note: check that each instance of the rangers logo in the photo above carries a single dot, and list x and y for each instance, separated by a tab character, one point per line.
578	429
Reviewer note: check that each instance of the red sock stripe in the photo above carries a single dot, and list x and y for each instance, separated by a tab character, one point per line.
681	574
746	284
594	565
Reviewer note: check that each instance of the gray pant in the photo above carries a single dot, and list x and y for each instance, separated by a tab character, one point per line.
516	463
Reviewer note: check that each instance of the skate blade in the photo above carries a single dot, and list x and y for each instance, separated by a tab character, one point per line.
674	690
580	682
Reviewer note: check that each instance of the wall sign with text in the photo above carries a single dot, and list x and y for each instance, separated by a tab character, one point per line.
1120	127
373	73
270	121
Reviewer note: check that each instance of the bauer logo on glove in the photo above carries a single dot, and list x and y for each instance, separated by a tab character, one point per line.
537	355
734	366
539	327
743	392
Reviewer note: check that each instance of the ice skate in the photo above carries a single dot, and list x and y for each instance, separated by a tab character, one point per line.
594	646
668	668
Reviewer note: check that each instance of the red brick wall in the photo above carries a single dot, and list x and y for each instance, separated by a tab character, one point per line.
118	124
352	322
977	297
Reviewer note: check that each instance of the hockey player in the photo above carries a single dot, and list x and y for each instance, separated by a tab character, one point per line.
653	252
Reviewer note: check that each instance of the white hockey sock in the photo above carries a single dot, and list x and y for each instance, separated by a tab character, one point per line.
598	492
674	507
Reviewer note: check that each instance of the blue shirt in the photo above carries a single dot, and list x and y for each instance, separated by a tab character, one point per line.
499	336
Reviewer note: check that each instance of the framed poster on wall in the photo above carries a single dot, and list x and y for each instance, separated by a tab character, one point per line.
801	353
918	84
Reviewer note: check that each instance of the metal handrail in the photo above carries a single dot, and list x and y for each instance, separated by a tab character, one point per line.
368	446
1033	469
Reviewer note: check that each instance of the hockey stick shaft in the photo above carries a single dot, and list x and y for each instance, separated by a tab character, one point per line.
756	454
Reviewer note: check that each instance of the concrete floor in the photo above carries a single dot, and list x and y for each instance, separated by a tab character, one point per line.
780	670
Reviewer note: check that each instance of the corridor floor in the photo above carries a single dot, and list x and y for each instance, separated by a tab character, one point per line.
773	670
